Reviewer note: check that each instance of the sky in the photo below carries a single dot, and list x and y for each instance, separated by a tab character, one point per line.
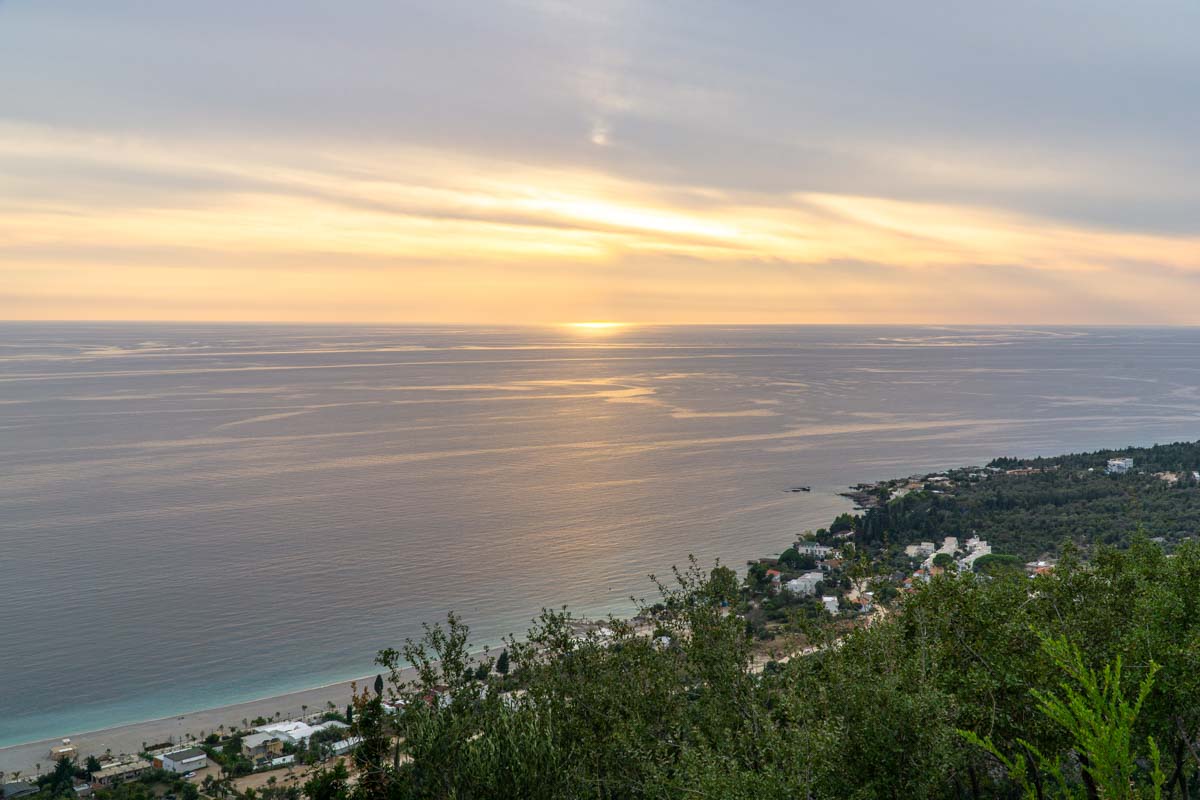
532	161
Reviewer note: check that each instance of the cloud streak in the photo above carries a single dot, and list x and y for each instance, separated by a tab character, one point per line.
535	161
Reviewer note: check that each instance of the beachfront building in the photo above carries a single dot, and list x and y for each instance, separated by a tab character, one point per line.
65	750
804	585
182	761
15	790
1119	466
119	773
813	549
297	733
291	732
262	745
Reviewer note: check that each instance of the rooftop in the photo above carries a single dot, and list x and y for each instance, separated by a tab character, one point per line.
121	769
185	755
258	739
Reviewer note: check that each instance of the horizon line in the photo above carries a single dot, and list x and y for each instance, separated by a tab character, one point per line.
615	324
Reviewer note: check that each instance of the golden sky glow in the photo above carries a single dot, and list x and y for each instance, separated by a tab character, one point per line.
155	220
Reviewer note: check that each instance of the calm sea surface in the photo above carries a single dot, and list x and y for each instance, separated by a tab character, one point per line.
197	515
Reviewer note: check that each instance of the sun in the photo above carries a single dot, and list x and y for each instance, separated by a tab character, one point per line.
596	327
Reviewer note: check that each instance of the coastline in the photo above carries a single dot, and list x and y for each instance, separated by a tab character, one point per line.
128	738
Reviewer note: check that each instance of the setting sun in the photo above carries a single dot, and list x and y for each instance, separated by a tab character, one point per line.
596	327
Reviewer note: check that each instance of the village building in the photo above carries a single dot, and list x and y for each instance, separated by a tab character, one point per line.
813	549
182	761
64	750
775	577
15	790
804	585
920	550
345	745
262	745
296	732
1119	466
119	773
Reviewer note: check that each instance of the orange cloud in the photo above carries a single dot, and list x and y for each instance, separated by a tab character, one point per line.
234	232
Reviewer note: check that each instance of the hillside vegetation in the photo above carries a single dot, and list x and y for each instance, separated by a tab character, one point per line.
1064	499
1083	683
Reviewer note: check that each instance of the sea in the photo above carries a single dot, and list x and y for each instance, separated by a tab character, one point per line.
196	515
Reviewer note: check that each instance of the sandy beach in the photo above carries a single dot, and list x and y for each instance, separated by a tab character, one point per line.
129	738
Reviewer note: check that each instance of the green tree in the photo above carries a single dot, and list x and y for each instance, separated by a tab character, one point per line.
329	784
1092	709
232	749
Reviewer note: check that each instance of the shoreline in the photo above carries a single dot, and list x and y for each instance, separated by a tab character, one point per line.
127	739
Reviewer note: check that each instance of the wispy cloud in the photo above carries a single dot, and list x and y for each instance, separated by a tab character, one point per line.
538	161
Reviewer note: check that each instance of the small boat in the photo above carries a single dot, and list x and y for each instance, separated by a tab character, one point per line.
800	489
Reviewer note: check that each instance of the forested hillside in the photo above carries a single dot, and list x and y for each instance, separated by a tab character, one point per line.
1045	503
919	704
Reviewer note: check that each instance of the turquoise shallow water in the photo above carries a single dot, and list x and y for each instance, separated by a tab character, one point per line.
198	515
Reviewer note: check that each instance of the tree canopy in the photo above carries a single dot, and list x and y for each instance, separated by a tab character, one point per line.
924	703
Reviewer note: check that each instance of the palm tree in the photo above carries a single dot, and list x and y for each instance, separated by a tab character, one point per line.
39	768
304	709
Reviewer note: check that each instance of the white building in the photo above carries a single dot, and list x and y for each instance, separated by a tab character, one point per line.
813	549
1119	466
921	549
967	563
344	746
262	745
949	547
831	604
296	732
182	761
805	584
